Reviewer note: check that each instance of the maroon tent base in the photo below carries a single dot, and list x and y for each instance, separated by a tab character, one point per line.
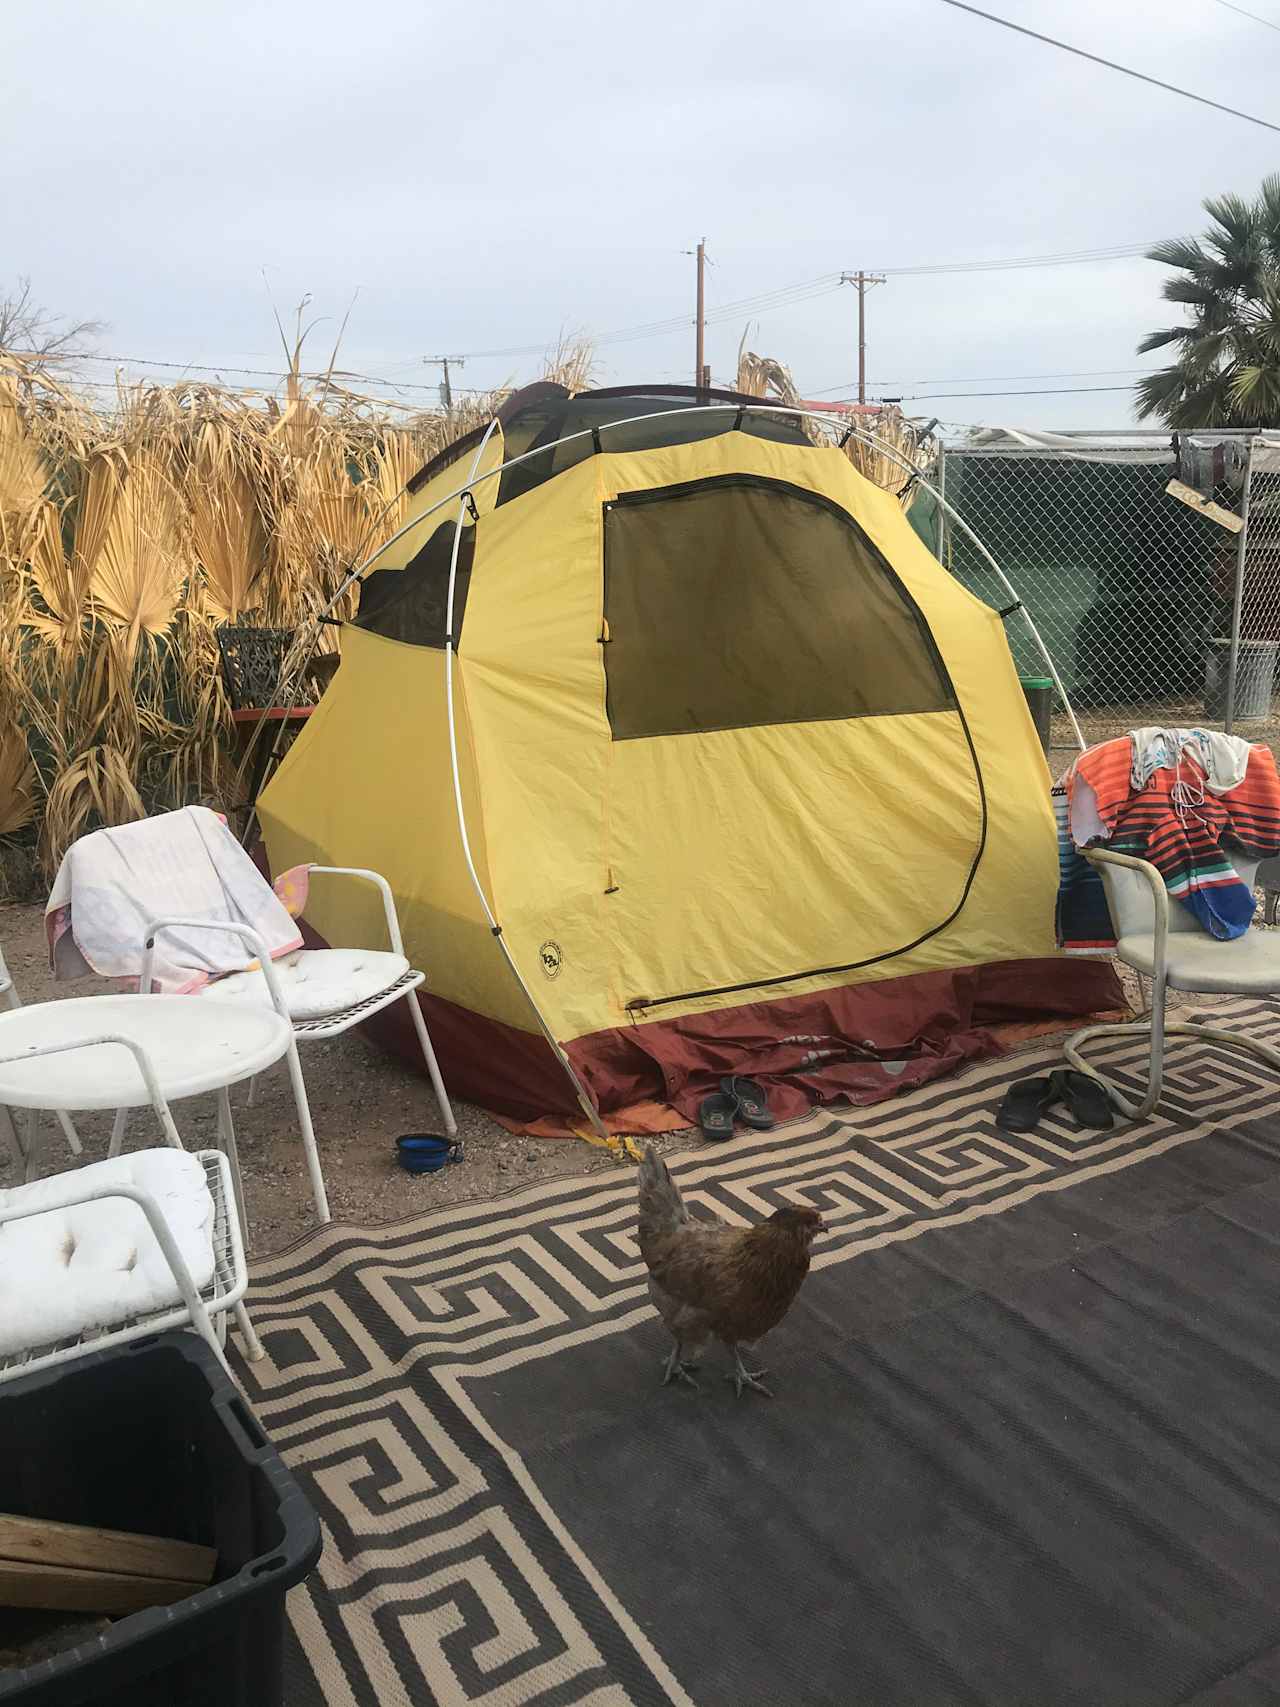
860	1043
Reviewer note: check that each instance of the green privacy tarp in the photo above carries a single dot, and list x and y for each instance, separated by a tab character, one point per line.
1116	575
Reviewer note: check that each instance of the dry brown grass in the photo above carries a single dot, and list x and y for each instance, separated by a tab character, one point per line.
128	533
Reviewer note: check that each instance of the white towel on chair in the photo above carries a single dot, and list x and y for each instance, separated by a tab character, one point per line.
113	883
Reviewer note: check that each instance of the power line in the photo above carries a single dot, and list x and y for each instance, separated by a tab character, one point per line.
809	289
977	379
679	322
1056	391
782	296
1265	22
1071	258
342	374
1111	64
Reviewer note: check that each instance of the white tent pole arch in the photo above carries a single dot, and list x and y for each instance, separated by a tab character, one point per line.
463	494
936	493
584	1101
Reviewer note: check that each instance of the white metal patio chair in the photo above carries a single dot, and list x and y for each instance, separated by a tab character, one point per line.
1164	943
50	1314
322	992
66	1304
11	999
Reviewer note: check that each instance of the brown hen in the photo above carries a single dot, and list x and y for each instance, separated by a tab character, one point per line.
712	1281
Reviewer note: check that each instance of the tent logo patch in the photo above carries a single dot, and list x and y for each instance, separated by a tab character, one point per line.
552	957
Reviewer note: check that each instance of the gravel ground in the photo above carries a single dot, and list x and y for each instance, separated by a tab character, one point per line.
361	1101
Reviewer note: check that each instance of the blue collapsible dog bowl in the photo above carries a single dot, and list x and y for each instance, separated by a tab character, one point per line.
425	1153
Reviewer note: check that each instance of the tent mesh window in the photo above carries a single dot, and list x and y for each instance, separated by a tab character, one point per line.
543	424
739	601
411	604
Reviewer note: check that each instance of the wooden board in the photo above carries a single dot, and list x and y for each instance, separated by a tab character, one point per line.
1195	501
37	1541
56	1588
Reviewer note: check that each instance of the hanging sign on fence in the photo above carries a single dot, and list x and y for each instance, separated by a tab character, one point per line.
1194	500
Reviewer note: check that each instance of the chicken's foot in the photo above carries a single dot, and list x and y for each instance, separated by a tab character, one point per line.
742	1377
676	1370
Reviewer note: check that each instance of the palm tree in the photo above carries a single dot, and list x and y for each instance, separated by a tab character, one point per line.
1227	371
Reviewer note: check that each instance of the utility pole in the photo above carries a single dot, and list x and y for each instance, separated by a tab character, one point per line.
864	282
446	390
699	367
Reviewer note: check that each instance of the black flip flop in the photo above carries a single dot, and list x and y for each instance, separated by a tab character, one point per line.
715	1117
1085	1097
751	1102
1025	1103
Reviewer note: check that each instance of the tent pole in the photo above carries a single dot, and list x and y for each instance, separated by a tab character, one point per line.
450	652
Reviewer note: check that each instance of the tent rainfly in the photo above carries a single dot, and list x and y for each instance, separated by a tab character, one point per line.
684	757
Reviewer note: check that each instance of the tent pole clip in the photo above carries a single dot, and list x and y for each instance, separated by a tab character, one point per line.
470	502
495	930
1009	609
612	890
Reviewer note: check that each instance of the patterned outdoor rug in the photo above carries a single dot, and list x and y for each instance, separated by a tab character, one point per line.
1024	1449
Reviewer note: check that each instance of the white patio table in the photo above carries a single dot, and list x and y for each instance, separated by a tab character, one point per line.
125	1052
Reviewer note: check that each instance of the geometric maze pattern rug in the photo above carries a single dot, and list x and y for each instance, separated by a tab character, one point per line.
1023	1449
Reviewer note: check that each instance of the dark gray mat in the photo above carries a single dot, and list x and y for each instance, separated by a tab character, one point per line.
1023	1450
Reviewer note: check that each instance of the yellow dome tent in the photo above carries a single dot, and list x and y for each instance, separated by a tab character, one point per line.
683	755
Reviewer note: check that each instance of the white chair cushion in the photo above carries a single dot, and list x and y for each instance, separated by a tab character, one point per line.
1249	965
315	982
97	1265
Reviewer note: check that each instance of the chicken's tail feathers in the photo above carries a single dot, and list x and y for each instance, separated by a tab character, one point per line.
659	1194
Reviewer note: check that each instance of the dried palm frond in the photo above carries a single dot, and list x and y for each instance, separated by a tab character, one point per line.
892	431
24	474
17	781
228	536
394	462
572	363
62	578
762	376
95	788
17	775
137	571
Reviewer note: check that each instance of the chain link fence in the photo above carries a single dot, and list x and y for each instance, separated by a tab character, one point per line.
1149	567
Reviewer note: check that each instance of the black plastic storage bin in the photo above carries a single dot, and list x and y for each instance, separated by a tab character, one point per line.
154	1437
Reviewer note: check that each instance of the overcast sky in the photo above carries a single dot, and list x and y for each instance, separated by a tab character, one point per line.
485	175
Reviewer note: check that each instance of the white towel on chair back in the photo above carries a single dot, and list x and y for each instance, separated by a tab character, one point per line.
187	864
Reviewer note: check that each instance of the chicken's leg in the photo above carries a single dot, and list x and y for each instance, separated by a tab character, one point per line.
675	1369
742	1377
